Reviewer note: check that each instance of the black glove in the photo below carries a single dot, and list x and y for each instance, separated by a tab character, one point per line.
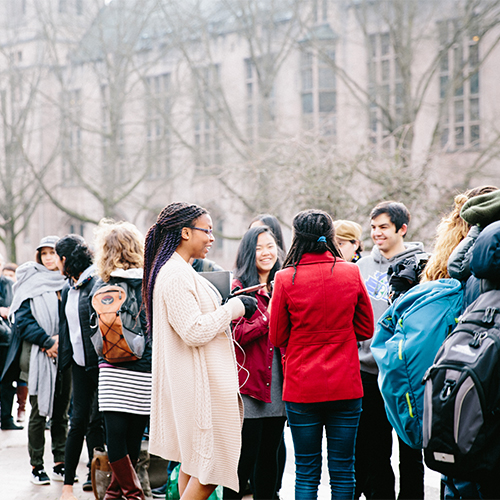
250	304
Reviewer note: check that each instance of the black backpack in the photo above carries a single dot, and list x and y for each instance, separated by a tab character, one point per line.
461	422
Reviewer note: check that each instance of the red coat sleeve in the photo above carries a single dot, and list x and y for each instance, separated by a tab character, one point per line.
248	330
279	327
364	325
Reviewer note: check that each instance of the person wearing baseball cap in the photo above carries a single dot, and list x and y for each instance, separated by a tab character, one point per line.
35	308
348	239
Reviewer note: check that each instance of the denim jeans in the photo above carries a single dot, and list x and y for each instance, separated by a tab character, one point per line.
307	420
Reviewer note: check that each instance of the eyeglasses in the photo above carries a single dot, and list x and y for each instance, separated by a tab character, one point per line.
210	232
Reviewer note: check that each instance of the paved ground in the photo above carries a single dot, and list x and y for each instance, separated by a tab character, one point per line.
15	473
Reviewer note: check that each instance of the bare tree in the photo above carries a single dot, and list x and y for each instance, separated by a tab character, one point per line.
22	123
106	102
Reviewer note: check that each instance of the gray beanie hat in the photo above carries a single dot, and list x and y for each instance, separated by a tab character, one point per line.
482	210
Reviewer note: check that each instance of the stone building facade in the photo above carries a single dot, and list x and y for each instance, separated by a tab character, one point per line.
243	107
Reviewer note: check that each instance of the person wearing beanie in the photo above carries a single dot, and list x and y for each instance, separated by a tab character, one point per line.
348	239
485	261
482	210
484	264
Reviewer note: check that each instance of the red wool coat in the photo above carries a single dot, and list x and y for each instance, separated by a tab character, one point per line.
319	319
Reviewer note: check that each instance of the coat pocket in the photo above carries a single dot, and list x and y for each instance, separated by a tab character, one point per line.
203	436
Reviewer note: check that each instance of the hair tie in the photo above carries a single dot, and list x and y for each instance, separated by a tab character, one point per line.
322	238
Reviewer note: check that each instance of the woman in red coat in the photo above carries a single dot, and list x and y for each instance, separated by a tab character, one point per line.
260	372
320	309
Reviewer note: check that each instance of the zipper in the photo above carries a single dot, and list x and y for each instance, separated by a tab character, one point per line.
410	409
455	431
473	376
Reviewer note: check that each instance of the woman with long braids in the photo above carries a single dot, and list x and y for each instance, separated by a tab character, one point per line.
196	409
260	372
320	308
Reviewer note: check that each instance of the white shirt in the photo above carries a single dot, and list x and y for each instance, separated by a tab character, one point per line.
73	317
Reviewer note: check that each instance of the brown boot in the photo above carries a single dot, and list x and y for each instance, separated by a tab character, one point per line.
127	479
114	492
22	395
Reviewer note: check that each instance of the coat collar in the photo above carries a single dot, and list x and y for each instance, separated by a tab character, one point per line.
315	258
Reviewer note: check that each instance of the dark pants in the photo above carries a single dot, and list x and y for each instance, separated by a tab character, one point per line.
84	393
124	433
7	392
411	473
58	423
340	420
374	474
261	438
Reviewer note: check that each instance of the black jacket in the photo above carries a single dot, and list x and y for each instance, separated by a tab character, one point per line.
25	327
5	291
5	301
84	310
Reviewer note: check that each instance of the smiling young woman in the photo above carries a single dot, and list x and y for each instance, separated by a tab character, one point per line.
196	239
196	407
260	374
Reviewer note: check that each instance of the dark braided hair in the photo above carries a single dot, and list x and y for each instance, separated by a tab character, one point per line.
78	255
161	242
308	227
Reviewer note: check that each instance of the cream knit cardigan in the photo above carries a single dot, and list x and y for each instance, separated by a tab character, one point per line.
196	409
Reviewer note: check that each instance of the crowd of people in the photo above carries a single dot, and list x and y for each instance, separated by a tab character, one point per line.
218	377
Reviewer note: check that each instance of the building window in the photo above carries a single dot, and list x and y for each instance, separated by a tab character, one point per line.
320	10
77	228
319	90
385	90
113	151
459	87
206	134
259	108
71	137
157	125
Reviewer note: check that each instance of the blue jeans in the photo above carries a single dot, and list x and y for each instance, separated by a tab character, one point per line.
307	420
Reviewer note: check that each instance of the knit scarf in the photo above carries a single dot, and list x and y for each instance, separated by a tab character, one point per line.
40	286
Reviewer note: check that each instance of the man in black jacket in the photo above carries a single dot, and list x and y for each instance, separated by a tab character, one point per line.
7	389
